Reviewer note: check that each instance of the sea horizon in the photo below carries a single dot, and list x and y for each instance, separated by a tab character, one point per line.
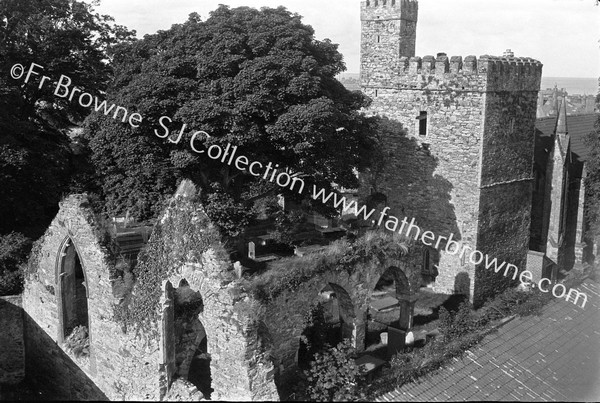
573	85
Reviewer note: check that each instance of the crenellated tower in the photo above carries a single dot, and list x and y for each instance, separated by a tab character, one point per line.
460	152
389	32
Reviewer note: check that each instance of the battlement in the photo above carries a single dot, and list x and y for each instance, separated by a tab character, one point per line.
485	64
486	73
389	9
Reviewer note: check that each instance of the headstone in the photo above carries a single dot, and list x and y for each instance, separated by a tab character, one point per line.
239	269
251	250
396	340
384	338
410	339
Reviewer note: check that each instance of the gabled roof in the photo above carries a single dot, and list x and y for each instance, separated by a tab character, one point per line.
579	126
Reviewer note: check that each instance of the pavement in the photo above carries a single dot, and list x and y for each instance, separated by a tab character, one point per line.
551	357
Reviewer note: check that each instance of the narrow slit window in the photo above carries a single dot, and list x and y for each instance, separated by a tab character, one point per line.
375	92
378	38
422	118
426	262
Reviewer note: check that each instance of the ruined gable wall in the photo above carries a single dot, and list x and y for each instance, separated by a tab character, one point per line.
190	246
120	366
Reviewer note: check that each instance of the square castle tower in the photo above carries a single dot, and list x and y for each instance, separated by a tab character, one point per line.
459	146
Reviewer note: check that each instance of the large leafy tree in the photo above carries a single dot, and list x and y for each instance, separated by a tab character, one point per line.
38	162
257	79
36	157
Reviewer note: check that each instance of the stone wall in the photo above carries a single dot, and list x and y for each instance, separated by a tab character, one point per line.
436	183
12	345
285	315
240	368
124	364
119	366
389	31
458	127
506	185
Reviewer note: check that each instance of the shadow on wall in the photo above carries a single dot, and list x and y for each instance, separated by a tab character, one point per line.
462	283
404	172
51	372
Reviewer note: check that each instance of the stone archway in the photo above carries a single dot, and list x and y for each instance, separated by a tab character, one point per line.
185	344
333	320
72	291
391	307
191	348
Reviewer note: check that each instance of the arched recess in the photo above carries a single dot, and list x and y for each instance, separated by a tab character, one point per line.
391	305
332	319
184	338
73	290
429	272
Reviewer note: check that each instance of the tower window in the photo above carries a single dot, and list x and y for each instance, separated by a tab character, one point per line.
422	118
375	92
378	38
426	262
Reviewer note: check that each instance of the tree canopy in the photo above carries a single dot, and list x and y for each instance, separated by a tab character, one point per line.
38	162
257	79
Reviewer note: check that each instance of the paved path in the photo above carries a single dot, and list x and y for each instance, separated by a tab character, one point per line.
553	357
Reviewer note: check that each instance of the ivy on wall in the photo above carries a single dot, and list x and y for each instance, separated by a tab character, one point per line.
340	256
181	236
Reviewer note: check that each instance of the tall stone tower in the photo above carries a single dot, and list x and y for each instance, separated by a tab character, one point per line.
460	142
389	31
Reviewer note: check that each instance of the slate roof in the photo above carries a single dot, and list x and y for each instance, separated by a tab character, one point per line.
578	127
553	357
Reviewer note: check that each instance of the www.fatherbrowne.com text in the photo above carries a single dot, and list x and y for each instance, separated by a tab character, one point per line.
285	178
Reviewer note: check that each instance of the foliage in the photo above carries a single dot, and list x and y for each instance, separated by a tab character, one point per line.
317	329
513	302
257	79
289	274
456	325
37	162
182	236
407	367
287	223
232	216
334	376
533	304
13	255
78	342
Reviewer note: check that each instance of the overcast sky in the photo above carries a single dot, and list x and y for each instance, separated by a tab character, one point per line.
562	34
